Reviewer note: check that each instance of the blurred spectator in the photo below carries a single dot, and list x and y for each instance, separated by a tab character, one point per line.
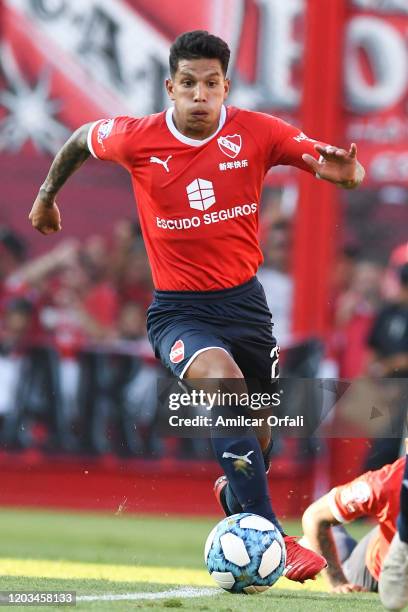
81	306
101	297
388	339
398	258
342	276
14	340
388	343
276	281
132	322
135	282
29	380
354	313
126	234
118	390
138	398
15	327
13	251
129	266
12	255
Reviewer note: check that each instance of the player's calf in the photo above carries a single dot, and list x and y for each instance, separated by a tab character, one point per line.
243	464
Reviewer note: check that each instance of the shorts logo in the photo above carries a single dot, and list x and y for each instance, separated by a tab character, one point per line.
105	129
230	145
200	194
177	352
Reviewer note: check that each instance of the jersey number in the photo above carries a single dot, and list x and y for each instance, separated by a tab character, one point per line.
275	362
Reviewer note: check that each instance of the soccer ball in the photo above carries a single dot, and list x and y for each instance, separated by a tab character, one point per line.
245	553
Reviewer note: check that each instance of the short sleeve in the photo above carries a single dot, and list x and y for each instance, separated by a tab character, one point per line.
285	144
113	140
360	497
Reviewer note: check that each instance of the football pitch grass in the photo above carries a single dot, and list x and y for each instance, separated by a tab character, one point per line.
126	562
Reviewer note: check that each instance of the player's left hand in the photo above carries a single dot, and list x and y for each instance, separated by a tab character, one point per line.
337	165
347	587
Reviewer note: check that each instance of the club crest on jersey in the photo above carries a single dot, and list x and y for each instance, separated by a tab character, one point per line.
177	352
105	129
230	145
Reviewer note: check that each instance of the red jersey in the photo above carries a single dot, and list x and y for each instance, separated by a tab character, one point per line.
375	494
198	200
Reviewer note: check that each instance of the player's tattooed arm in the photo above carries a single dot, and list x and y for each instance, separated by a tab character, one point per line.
317	524
68	159
45	215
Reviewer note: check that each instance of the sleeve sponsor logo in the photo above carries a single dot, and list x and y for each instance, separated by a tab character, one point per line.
302	137
357	493
104	129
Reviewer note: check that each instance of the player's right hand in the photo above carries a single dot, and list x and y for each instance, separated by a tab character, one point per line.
45	217
347	587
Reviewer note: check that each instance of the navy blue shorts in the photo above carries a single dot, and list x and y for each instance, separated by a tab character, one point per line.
182	324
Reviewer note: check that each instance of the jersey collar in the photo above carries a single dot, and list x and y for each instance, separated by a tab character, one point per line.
191	141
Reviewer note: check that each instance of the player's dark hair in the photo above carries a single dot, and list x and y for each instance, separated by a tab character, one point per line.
196	45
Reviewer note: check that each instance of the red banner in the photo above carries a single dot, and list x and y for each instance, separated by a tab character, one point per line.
67	62
376	87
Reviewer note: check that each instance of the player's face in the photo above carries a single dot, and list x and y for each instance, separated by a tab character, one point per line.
198	90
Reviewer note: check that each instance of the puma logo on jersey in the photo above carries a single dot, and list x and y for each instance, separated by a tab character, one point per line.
157	160
242	457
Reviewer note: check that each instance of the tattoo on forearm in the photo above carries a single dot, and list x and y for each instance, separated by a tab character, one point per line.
68	159
328	549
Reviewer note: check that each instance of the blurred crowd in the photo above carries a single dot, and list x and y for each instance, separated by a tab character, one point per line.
73	347
75	295
78	374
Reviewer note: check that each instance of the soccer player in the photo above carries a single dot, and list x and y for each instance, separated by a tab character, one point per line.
197	171
353	566
393	585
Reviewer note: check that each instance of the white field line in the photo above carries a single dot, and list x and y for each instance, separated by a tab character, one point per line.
183	593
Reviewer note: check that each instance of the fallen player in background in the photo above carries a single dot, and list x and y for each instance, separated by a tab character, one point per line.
355	566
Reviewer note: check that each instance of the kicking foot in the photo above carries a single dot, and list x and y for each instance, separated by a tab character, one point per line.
301	563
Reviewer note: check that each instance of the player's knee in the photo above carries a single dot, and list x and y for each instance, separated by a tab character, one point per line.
214	363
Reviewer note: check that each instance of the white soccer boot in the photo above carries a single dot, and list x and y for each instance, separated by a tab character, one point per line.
393	583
